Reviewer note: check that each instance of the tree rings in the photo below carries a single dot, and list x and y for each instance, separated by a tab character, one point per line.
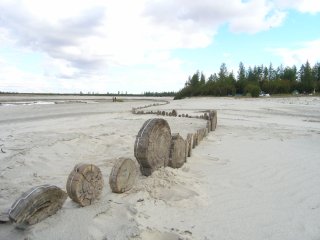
36	204
177	151
152	145
85	184
123	175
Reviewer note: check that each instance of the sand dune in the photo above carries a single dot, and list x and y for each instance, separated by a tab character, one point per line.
255	177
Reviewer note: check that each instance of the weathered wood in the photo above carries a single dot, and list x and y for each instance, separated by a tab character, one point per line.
4	217
152	145
123	175
174	113
213	119
189	144
177	151
85	183
36	204
209	125
195	140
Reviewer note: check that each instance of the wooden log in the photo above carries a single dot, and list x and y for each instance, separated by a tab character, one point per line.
199	133
152	145
213	119
123	175
4	217
189	144
205	132
177	155
85	184
209	125
36	204
195	140
174	113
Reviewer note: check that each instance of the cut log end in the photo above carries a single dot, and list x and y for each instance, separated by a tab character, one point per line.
152	145
123	175
177	151
85	184
36	204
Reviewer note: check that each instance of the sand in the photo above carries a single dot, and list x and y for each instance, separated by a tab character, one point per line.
255	177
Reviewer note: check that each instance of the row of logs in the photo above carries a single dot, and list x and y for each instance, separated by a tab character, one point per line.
155	147
136	109
173	113
84	185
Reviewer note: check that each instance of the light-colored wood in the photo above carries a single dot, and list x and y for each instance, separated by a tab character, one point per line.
174	113
85	183
195	140
177	151
152	145
36	204
189	144
213	119
123	175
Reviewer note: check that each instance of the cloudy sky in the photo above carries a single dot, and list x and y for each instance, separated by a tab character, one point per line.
147	45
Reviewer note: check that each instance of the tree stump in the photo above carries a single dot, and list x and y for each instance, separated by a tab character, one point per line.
85	184
189	144
36	204
152	145
177	151
123	175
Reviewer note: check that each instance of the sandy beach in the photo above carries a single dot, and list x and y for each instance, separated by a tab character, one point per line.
255	177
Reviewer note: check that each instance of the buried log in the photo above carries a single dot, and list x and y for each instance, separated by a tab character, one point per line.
152	145
84	184
195	140
4	217
36	204
123	175
213	119
174	113
177	151
208	125
189	141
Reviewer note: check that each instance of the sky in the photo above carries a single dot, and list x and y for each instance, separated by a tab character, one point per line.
106	46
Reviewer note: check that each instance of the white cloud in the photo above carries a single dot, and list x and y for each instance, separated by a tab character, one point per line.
94	39
304	6
296	56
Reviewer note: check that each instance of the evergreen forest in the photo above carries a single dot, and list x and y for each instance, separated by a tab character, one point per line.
253	81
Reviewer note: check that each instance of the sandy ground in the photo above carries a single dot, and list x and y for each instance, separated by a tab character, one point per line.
255	177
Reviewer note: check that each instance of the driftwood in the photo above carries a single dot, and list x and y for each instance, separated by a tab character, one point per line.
177	151
85	184
36	204
123	175
152	145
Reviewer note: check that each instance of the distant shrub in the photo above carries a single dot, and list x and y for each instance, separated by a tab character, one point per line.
252	89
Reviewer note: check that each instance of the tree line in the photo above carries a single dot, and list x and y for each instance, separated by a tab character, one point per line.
253	80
